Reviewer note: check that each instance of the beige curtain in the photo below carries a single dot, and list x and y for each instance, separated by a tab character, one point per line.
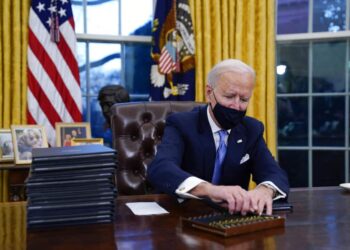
13	72
13	233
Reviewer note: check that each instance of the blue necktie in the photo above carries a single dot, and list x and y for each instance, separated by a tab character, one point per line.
220	155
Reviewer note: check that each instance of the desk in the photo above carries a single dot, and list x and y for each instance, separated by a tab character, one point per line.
321	220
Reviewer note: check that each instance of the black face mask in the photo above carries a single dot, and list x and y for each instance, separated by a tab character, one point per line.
227	118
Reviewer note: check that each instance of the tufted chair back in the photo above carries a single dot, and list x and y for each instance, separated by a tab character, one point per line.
137	129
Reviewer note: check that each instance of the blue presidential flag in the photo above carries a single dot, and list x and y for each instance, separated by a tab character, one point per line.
173	69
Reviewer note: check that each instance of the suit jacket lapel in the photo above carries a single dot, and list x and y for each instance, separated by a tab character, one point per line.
235	146
207	141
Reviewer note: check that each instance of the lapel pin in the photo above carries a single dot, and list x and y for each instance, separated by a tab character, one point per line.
239	141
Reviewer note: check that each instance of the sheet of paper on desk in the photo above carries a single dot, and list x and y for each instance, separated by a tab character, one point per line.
146	208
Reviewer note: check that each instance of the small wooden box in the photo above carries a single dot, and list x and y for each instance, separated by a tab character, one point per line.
227	225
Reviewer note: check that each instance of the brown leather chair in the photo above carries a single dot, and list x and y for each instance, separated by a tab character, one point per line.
137	129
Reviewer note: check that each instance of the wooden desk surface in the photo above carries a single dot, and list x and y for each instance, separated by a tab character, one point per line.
320	220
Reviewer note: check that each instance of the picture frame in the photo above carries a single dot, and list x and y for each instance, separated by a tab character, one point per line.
86	141
65	132
25	138
6	146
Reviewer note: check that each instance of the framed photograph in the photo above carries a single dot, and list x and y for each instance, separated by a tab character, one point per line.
85	141
25	138
65	132
6	146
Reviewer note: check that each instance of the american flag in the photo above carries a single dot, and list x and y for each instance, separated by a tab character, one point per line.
167	59
54	93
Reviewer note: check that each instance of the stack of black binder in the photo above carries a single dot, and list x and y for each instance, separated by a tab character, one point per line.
71	185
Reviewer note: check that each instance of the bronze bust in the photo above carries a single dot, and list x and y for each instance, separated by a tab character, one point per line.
109	95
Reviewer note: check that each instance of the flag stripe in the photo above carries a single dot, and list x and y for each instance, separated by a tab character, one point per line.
50	68
30	119
164	67
35	114
40	95
66	49
47	85
166	62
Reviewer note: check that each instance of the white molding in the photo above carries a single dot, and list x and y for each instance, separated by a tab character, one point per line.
113	39
313	36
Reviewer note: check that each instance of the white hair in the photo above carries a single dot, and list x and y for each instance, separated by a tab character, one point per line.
228	65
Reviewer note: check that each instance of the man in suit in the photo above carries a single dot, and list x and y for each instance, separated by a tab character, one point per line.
212	151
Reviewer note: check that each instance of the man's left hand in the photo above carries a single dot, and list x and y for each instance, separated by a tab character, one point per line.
261	197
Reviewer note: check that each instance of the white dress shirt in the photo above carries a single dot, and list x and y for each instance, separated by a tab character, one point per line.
191	182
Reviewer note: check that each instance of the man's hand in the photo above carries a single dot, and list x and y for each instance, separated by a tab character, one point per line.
261	197
234	198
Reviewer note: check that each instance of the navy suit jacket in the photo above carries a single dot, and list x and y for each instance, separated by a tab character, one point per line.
188	149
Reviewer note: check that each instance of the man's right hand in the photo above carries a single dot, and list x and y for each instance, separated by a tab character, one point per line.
234	198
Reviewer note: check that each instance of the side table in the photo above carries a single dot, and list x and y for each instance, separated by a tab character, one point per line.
17	175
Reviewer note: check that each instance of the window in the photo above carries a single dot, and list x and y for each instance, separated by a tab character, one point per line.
313	44
114	43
